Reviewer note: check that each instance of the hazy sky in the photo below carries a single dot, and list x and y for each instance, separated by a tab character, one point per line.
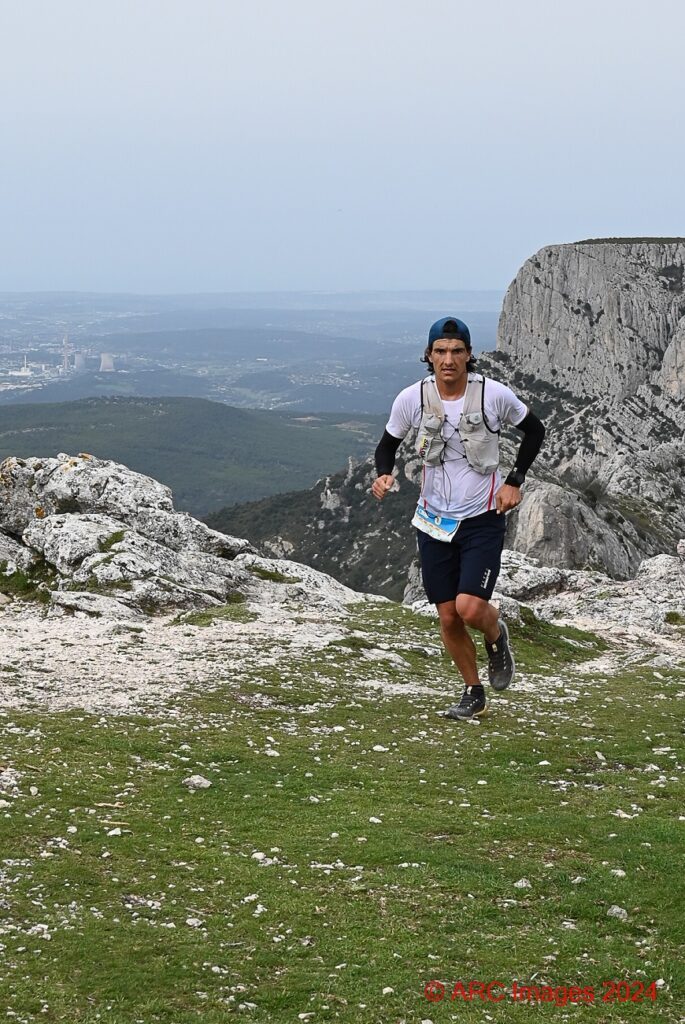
160	145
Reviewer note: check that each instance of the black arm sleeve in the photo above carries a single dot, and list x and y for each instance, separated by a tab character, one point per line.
385	453
533	436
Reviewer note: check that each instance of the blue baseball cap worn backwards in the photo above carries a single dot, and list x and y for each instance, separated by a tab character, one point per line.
449	327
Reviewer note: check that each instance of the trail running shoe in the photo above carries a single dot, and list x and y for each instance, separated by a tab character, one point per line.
500	660
471	705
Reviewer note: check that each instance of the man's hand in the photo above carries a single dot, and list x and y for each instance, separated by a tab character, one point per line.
507	497
382	485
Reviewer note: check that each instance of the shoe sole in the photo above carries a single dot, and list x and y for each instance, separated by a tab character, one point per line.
499	689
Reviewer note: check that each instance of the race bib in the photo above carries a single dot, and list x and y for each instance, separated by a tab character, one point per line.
437	527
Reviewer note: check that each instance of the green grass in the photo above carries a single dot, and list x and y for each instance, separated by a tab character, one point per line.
29	586
114	538
234	611
675	619
351	906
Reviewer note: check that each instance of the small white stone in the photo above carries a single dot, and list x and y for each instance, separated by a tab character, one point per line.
522	883
387	991
193	922
194	782
375	821
619	872
114	832
620	912
381	749
544	762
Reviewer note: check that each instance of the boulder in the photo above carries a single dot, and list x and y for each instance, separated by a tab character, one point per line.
15	556
113	538
554	525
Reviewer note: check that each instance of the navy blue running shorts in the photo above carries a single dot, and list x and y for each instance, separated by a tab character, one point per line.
468	564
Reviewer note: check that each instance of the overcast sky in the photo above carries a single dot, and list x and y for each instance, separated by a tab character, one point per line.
217	145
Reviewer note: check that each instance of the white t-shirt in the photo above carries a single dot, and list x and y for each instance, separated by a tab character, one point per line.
454	488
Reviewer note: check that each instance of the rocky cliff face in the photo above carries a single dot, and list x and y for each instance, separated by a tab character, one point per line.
596	317
604	322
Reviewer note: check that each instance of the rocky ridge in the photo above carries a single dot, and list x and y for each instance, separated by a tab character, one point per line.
604	323
114	573
115	649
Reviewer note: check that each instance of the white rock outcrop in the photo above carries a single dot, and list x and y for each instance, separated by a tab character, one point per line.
109	539
109	544
653	601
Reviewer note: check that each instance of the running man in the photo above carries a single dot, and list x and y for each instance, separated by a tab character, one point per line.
460	518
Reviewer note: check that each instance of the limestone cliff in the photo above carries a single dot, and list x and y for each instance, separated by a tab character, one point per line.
595	317
604	321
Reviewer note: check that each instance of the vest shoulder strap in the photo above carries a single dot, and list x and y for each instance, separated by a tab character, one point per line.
430	399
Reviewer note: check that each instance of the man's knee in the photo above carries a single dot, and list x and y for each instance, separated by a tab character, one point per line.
449	617
470	608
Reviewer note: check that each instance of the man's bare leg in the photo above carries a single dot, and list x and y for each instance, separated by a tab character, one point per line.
481	615
459	644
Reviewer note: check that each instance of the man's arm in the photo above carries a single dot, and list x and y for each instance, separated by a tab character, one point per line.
385	463
509	494
385	453
533	435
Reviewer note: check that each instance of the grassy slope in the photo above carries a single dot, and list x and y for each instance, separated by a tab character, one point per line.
351	906
209	454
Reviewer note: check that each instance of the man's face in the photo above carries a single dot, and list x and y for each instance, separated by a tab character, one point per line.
449	357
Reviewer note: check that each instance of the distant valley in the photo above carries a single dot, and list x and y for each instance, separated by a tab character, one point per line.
307	352
210	454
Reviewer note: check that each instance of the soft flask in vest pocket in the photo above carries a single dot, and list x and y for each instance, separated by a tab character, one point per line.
429	442
480	445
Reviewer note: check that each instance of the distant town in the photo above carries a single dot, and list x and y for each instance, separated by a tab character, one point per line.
50	363
310	352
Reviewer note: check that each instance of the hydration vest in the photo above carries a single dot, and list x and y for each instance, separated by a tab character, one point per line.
481	443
